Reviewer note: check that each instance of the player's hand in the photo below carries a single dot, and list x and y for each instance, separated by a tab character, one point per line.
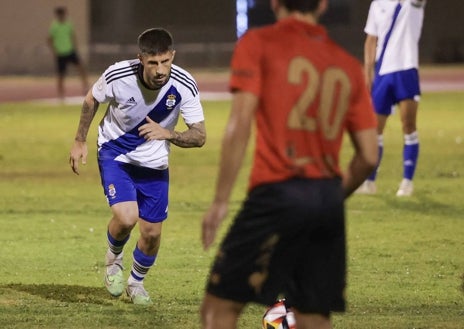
211	222
153	131
78	152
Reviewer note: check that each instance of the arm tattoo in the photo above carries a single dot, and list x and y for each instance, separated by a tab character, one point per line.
87	114
195	136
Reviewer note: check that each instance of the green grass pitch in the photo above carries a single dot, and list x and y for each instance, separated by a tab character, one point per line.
405	255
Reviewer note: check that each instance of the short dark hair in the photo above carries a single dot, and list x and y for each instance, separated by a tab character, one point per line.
155	41
301	5
60	11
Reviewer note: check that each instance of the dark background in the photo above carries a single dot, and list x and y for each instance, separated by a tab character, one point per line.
205	31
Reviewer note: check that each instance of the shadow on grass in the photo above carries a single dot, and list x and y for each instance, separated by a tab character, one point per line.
424	204
63	293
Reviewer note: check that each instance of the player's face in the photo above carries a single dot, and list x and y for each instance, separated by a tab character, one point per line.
156	68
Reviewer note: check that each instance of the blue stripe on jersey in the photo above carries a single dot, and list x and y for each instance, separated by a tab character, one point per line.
387	37
185	80
121	72
164	107
131	140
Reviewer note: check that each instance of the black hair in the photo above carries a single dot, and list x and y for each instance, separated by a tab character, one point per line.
60	11
301	5
155	41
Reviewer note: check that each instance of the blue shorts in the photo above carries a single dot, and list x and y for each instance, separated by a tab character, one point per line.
125	182
389	89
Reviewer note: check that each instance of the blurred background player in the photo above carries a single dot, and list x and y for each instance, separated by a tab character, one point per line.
304	92
391	62
145	96
63	43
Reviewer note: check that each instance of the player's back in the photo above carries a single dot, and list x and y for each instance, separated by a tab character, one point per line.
306	87
297	58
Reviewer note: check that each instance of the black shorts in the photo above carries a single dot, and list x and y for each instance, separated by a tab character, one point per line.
62	61
288	240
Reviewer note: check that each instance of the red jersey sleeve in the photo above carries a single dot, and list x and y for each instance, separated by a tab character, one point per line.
245	65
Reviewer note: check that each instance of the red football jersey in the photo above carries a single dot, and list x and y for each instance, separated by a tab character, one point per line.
310	91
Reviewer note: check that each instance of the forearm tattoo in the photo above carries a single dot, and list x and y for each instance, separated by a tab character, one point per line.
195	136
87	114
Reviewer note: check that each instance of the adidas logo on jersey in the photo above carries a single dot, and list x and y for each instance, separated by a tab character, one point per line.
131	101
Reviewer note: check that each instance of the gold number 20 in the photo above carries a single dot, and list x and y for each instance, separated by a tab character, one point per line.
334	87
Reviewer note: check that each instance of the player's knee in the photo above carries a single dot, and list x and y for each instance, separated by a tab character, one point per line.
215	311
151	238
409	127
126	217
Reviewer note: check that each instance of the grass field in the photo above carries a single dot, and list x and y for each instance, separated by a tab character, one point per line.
406	256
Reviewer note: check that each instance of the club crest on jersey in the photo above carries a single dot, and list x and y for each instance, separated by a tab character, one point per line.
171	101
111	191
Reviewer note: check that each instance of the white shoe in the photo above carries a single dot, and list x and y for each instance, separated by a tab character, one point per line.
137	293
406	188
367	187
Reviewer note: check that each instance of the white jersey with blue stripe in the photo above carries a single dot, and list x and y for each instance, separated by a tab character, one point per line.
397	24
130	102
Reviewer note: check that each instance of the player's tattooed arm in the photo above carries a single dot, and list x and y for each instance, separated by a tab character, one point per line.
194	136
89	108
79	150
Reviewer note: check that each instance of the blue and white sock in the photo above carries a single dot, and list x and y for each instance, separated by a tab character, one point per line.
410	155
115	246
142	263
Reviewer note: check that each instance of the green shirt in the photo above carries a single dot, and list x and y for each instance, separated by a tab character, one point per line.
62	37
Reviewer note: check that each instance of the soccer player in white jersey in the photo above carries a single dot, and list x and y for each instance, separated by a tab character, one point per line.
391	61
145	98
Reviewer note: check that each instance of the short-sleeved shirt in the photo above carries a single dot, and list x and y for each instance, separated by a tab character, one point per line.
130	102
398	26
62	37
310	91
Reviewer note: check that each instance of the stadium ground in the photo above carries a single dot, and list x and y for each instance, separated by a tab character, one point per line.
212	84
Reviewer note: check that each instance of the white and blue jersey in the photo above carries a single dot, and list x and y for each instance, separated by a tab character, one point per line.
132	168
130	101
398	26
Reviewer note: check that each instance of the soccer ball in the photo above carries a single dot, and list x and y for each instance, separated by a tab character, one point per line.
278	316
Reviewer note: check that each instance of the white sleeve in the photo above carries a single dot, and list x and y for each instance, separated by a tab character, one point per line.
101	91
371	25
192	110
